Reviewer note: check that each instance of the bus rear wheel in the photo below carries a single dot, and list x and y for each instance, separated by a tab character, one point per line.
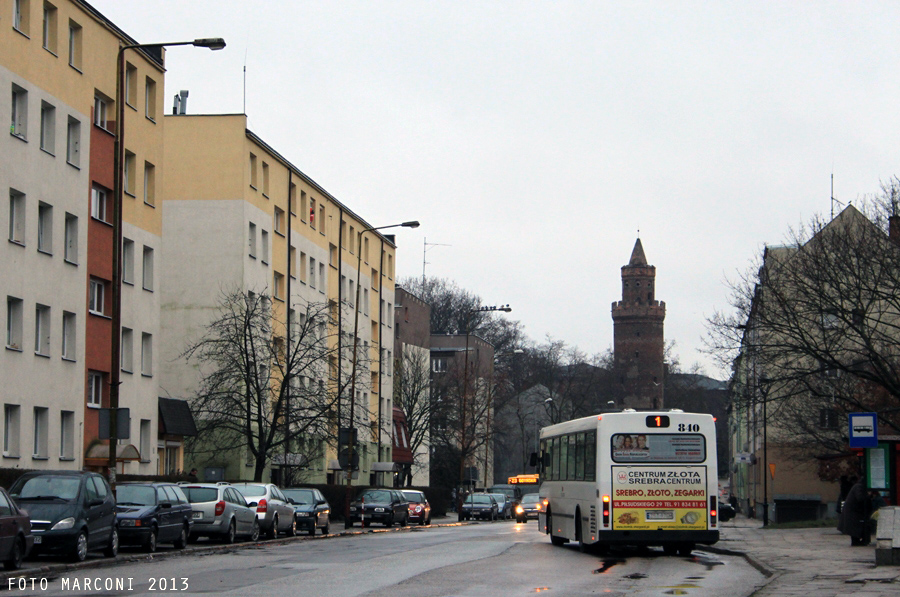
553	538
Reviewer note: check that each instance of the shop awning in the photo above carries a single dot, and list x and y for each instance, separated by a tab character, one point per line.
384	467
101	452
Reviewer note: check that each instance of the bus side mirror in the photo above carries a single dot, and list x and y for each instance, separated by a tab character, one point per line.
534	459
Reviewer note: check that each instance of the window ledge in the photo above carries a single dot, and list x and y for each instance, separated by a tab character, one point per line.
66	459
76	68
264	262
104	129
148	204
128	282
41	354
98	314
51	51
18	136
251	255
148	289
70	262
68	359
101	221
130	106
36	457
279	299
150	118
141	461
128	371
44	252
279	233
11	457
16	242
93	405
130	194
48	152
13	347
146	375
22	33
74	165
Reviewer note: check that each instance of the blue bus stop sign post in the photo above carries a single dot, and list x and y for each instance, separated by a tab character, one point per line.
863	430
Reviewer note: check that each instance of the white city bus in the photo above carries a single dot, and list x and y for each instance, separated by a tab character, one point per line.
631	478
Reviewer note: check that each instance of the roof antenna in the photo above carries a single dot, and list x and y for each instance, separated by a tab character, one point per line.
833	200
424	262
245	80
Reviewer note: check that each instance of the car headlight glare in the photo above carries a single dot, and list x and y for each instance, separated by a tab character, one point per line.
62	525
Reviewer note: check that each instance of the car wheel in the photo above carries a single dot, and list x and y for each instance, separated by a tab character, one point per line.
312	530
81	547
519	520
254	532
18	554
422	521
326	529
292	532
182	540
232	531
150	544
273	532
112	550
389	522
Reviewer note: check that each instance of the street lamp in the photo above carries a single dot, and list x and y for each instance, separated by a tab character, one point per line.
462	428
213	43
356	306
550	404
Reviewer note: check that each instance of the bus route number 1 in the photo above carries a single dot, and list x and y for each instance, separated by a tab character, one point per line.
688	427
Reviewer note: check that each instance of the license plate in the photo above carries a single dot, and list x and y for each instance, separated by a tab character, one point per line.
37	539
198	514
660	515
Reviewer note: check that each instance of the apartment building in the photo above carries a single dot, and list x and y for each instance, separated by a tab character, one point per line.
239	216
58	67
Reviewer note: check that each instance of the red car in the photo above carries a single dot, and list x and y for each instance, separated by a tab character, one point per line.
419	508
16	539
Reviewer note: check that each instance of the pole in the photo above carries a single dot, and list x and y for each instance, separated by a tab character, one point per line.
765	462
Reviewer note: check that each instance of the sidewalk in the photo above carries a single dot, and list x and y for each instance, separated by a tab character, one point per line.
815	562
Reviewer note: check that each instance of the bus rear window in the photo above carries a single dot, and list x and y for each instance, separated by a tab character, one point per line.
658	447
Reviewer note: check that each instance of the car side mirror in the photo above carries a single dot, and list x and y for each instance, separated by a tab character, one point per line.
252	504
534	459
165	505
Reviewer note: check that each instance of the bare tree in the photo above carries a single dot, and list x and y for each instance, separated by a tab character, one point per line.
412	383
819	319
257	383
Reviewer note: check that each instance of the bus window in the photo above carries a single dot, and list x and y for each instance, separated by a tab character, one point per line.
563	451
579	456
590	456
570	462
549	468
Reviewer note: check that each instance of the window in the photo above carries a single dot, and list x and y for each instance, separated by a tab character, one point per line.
322	218
366	249
352	240
312	213
11	430
71	238
351	296
150	99
45	228
48	128
16	217
343	234
322	278
127	261
303	206
365	302
292	257
148	268
439	365
74	45
264	246
95	296
149	184
66	435
130	84
374	279
41	423
381	311
68	336
828	418
279	221
102	105
390	266
292	199
147	354
279	286
19	117
145	440
73	141
312	272
332	255
265	179
127	350
14	323
99	204
95	389
42	330
253	170
128	173
21	12
251	240
389	315
302	267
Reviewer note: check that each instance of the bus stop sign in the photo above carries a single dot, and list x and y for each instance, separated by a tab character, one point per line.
863	430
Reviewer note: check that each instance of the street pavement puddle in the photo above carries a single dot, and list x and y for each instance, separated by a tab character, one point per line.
607	564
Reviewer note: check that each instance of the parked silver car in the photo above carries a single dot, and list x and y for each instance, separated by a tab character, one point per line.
504	506
221	512
274	511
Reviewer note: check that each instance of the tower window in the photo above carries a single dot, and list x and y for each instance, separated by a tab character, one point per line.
649	297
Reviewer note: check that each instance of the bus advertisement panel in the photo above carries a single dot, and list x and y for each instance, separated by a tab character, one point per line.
659	498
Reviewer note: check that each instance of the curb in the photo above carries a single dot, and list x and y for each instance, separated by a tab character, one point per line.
769	573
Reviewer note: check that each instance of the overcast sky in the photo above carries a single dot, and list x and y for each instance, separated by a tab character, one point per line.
537	138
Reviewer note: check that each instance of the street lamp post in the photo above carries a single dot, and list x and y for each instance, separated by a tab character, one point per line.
215	43
356	307
764	389
462	428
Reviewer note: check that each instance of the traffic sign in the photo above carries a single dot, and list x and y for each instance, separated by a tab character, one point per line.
863	430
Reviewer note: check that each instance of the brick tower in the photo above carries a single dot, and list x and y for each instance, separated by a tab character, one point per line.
638	343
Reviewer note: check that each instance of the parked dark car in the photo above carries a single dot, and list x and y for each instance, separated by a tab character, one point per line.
16	539
311	509
726	512
71	512
385	506
419	508
480	505
152	513
529	507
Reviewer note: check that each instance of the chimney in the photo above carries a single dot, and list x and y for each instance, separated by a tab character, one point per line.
180	105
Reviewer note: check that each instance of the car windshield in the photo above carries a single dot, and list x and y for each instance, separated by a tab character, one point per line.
416	497
198	495
499	497
480	499
46	487
531	498
251	490
376	496
300	496
136	495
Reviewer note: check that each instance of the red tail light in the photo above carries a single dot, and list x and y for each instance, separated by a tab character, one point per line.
262	507
713	512
606	510
220	508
